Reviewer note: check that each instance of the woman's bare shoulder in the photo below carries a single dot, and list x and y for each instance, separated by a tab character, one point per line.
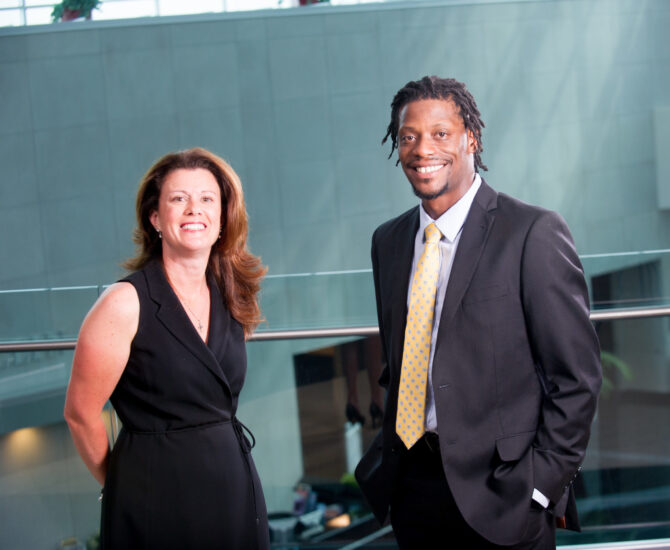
103	346
117	310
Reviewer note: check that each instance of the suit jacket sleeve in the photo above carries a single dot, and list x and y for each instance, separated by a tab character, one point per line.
565	350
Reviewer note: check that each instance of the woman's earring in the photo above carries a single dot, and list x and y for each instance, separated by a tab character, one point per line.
160	235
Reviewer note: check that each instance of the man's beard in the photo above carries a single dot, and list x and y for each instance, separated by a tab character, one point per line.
430	196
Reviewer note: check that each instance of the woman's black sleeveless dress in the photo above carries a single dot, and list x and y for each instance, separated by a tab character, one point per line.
180	475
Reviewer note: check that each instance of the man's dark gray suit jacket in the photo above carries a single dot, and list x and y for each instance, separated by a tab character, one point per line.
516	370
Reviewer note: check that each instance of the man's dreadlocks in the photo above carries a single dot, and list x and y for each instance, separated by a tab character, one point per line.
433	87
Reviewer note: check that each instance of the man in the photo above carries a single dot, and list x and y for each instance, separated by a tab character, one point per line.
492	367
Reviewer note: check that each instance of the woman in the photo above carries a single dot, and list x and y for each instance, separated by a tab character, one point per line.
166	346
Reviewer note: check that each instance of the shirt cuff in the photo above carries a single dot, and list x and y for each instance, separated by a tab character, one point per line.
540	498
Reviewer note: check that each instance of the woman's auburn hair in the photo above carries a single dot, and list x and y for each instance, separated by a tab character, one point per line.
238	273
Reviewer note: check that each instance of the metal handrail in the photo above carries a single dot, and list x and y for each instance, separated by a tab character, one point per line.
655	544
630	313
267	335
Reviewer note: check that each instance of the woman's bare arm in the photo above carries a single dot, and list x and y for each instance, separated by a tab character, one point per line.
100	356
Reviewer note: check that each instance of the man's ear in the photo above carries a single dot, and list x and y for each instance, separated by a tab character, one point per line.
473	145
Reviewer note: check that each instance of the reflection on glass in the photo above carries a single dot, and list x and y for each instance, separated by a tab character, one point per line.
296	401
628	279
624	490
42	480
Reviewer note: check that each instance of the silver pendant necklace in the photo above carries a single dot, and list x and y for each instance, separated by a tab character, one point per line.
183	301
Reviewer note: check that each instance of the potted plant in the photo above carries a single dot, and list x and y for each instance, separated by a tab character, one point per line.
67	10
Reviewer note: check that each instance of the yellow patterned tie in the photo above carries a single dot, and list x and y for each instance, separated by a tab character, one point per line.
409	423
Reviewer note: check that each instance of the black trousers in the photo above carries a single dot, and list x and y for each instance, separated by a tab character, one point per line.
424	514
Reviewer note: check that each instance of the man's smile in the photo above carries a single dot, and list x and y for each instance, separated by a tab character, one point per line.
429	169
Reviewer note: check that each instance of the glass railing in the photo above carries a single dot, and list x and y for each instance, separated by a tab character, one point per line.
633	279
44	314
289	302
636	278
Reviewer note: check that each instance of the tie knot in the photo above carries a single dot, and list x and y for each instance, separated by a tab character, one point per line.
433	234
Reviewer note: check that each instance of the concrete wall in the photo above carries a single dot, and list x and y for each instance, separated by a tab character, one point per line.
298	101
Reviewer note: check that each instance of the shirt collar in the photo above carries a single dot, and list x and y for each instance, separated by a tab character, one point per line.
451	222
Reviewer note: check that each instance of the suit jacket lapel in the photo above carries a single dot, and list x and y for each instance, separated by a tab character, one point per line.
219	324
475	232
402	267
172	315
